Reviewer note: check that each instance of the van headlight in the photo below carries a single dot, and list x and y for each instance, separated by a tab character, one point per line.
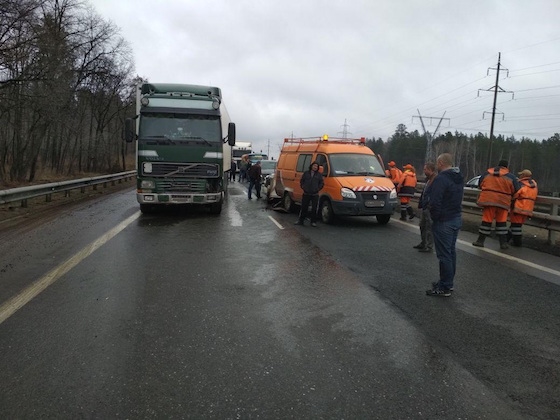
393	194
347	193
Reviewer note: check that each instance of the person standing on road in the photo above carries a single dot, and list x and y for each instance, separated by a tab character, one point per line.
394	173
446	197
427	242
243	166
497	186
522	206
232	170
406	190
311	183
255	179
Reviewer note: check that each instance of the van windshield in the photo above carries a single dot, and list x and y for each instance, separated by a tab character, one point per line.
345	164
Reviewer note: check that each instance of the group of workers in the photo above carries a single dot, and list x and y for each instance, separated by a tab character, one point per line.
502	194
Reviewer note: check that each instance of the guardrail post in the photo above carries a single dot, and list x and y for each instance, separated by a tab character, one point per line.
24	203
553	235
94	187
48	198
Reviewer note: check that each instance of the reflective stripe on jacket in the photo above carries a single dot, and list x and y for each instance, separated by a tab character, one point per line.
524	198
498	187
407	184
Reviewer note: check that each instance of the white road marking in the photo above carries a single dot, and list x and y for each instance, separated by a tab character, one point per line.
511	258
11	306
275	222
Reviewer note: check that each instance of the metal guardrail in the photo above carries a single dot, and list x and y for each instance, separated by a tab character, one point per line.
25	193
546	214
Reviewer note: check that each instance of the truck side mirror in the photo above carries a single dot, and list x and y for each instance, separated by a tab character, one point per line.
129	130
231	134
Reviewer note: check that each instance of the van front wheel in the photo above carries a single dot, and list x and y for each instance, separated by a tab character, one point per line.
383	219
326	211
287	202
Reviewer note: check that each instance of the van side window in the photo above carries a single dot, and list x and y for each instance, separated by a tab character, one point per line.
322	161
303	163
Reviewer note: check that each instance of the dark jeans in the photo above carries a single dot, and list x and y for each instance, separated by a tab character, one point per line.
257	185
306	199
445	237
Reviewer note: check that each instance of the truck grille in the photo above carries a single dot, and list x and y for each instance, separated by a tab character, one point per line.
184	170
181	186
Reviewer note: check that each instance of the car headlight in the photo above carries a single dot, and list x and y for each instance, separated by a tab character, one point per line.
347	193
393	194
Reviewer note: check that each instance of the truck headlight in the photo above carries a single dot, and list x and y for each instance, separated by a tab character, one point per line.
147	167
145	184
393	194
347	193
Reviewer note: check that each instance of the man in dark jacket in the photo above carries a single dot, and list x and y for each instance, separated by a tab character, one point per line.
311	183
254	175
446	196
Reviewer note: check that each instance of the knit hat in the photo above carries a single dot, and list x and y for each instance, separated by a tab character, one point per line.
408	166
525	173
392	163
503	163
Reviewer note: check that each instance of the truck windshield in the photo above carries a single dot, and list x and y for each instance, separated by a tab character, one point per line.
180	127
345	164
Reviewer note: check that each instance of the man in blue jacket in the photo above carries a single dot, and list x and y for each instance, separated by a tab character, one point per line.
311	183
446	196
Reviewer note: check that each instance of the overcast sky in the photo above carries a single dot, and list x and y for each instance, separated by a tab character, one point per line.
308	67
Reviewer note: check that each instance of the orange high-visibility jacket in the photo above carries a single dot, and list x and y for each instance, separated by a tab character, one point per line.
407	184
524	198
396	174
498	187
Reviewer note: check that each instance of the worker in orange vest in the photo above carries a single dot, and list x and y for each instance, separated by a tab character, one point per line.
497	186
394	173
406	189
522	206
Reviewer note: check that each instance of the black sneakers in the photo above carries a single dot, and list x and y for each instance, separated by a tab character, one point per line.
425	249
435	283
439	292
419	246
313	224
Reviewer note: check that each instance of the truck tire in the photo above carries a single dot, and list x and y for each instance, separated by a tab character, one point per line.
147	208
216	208
383	219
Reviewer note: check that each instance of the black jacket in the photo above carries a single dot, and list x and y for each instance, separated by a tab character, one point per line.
311	184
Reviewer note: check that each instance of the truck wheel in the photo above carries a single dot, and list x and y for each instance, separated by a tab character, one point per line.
287	202
147	208
216	208
383	219
326	211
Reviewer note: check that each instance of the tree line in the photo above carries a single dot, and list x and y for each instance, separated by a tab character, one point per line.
474	154
66	86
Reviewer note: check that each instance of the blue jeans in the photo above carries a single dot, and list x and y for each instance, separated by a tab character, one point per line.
445	237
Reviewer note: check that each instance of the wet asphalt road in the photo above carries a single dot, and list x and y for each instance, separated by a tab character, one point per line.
188	315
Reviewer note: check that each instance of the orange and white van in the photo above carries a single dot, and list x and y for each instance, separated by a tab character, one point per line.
355	180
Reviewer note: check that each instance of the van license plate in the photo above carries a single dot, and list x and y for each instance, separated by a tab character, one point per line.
374	203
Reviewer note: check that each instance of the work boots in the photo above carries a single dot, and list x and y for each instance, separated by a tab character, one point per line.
410	212
517	241
480	240
403	215
503	242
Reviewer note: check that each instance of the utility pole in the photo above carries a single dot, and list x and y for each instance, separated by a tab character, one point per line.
496	89
429	137
344	130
